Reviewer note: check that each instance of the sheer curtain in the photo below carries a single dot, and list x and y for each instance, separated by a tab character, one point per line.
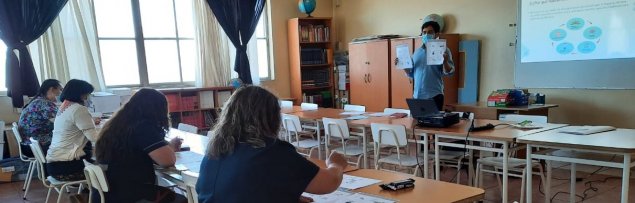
69	49
213	67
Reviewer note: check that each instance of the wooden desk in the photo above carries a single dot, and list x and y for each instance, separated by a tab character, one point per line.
289	110
482	111
504	135
425	190
620	142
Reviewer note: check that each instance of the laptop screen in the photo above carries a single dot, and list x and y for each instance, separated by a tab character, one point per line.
422	107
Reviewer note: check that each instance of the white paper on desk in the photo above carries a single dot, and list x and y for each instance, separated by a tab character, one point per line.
352	113
354	182
358	117
328	198
403	54
434	51
380	114
586	130
364	198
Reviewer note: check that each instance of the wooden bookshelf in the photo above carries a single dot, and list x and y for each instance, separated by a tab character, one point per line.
199	107
311	60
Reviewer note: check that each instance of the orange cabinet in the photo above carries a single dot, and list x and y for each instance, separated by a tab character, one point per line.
369	74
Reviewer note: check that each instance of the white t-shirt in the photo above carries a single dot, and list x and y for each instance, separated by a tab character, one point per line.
73	128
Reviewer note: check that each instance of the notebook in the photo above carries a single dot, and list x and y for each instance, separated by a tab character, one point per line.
586	130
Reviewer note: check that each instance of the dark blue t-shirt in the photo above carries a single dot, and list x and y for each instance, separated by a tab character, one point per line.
274	173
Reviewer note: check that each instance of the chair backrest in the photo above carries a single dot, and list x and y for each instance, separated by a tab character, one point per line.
284	103
291	123
188	128
190	178
209	133
355	108
387	134
308	106
40	159
18	138
521	118
95	176
391	111
336	128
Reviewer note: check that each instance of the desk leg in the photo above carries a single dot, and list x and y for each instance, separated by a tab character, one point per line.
548	182
626	177
505	171
365	147
425	155
528	192
470	166
437	168
317	126
572	196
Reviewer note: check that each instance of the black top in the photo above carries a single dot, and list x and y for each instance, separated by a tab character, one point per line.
274	173
131	176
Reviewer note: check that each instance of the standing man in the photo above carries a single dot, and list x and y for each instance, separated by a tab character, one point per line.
429	78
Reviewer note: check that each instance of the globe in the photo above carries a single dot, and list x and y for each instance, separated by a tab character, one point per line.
436	18
306	6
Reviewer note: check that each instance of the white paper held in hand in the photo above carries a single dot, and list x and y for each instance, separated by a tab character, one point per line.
403	55
434	51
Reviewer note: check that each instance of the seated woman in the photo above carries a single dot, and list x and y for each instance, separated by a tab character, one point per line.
245	162
36	119
73	129
128	145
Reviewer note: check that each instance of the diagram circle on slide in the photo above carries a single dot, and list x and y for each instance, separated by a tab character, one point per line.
558	35
586	47
575	23
564	48
592	32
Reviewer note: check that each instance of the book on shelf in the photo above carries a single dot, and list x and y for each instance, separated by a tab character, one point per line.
314	33
313	56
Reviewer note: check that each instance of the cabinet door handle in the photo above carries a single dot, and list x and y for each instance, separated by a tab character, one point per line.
369	78
365	81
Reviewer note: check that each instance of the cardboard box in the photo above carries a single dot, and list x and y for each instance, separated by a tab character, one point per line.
499	98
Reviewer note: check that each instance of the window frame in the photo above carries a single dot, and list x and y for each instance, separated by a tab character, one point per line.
266	17
139	40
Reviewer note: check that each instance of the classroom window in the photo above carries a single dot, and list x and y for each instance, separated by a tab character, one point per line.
3	65
146	42
265	70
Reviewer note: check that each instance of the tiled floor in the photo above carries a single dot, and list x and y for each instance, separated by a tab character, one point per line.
607	192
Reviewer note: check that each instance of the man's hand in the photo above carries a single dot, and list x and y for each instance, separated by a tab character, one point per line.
175	144
445	57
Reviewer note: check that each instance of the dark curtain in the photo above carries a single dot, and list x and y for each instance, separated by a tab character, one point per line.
238	18
22	22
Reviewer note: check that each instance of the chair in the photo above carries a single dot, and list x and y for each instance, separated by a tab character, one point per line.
308	106
286	104
338	130
516	167
31	160
188	128
393	135
190	178
209	134
50	182
293	128
354	108
392	111
96	179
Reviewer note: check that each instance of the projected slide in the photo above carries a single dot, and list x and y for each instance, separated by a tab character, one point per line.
566	30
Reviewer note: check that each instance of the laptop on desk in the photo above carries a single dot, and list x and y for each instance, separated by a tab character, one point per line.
427	114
